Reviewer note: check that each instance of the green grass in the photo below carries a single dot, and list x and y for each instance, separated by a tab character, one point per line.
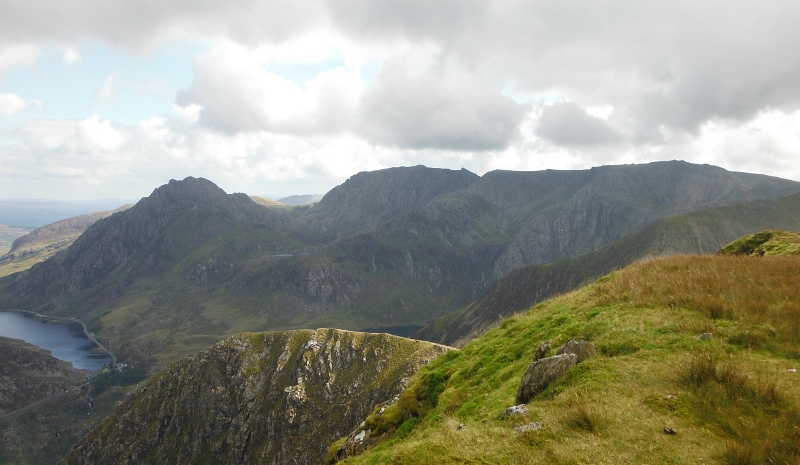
730	402
765	243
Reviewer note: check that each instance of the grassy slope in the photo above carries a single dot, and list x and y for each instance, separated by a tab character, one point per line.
735	400
703	231
765	243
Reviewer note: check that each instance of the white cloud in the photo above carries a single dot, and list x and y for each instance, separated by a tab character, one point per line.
71	55
108	90
11	103
237	94
15	56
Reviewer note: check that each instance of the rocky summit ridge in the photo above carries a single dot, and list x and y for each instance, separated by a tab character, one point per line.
266	398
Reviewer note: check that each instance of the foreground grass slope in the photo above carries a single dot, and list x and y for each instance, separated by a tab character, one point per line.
732	399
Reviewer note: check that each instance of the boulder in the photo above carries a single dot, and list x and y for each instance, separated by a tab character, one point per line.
704	337
541	373
543	349
520	409
582	349
529	427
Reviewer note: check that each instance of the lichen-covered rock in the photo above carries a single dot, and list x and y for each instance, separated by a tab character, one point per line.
543	349
266	398
541	373
583	349
520	409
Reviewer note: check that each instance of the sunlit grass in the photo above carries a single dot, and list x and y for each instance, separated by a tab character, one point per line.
650	373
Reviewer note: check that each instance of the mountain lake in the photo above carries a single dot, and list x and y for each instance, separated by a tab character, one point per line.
66	341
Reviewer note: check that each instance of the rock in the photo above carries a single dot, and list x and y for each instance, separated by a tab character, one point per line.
582	349
792	370
460	426
541	373
670	431
520	409
529	427
543	349
704	337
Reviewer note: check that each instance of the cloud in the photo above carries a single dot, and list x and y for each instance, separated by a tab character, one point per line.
71	55
567	124
18	56
108	90
235	93
434	108
11	103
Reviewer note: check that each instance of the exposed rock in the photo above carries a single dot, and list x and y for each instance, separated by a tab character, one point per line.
543	349
520	409
670	431
541	373
266	398
704	337
529	427
582	349
29	374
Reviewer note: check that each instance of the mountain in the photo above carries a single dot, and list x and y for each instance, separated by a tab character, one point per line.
304	199
190	264
703	231
41	243
694	356
267	398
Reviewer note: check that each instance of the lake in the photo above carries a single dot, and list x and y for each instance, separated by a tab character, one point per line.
65	341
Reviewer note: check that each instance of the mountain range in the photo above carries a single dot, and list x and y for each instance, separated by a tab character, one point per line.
191	264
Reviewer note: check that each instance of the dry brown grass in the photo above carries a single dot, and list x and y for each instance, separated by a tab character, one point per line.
754	290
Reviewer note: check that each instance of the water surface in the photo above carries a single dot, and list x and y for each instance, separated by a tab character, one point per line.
65	341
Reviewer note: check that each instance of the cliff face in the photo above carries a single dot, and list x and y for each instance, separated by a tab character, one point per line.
274	398
29	374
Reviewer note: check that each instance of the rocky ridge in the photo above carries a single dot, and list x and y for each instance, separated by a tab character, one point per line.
275	398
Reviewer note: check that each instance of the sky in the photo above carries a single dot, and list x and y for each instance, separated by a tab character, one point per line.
112	98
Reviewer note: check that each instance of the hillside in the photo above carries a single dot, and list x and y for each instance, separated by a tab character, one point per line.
8	234
267	398
704	231
191	264
42	243
765	243
29	374
731	396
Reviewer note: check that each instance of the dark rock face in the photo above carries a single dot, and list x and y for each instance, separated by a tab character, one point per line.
29	374
367	199
266	398
541	373
581	349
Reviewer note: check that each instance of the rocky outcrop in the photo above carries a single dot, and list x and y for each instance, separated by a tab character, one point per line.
581	349
266	398
541	373
29	374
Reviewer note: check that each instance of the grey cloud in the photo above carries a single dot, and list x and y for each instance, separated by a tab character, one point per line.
567	124
438	111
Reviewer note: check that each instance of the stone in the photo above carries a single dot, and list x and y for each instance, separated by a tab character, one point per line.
670	431
582	349
704	337
520	409
541	373
529	427
543	349
460	426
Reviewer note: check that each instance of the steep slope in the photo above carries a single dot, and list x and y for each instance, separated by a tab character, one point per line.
274	398
41	243
657	392
29	374
703	231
